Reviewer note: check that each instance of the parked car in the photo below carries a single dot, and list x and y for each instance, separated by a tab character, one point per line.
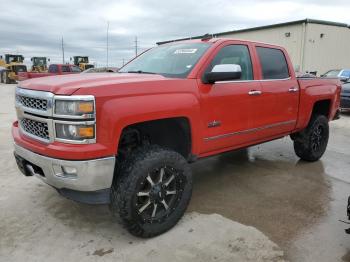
345	96
342	74
101	70
127	139
54	69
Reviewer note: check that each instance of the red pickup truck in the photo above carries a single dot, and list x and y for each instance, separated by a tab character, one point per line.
54	69
127	138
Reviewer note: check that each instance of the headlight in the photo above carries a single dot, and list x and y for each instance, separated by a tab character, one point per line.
84	106
75	132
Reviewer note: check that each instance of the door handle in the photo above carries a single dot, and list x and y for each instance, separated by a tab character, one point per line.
254	93
293	89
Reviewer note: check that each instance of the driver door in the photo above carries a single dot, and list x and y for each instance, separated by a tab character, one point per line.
228	105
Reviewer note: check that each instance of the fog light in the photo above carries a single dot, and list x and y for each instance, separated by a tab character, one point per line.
69	170
65	171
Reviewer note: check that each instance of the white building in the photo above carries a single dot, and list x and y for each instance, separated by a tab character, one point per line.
313	45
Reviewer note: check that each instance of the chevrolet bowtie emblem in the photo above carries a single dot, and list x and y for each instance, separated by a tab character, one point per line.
214	123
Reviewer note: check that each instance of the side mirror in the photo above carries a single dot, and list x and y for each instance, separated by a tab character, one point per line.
48	59
344	79
31	59
70	59
223	72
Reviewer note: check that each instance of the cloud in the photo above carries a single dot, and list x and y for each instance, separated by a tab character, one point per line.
35	27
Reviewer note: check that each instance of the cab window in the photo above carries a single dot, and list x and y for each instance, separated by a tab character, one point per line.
234	54
273	63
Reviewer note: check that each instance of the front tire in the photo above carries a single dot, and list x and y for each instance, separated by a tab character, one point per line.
152	191
6	78
311	143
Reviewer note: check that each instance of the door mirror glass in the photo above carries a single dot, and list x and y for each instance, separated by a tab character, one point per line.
223	72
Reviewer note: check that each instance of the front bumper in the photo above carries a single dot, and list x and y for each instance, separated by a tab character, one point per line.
86	175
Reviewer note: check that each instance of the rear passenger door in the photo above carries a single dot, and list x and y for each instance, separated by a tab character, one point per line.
280	93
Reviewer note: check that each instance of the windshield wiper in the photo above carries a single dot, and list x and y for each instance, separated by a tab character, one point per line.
141	72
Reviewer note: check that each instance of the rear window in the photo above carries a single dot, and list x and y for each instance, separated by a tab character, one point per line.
345	73
273	63
65	69
53	69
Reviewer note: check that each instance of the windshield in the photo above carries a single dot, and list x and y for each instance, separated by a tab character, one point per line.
15	59
40	61
175	60
83	60
332	73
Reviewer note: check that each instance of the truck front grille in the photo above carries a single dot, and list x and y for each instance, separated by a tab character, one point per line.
35	128
34	103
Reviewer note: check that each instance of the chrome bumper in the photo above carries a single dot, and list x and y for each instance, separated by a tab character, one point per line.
87	175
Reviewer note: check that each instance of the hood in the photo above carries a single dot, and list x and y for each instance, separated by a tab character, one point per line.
68	84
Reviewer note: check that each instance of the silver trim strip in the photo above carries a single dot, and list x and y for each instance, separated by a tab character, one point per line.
249	130
35	94
247	81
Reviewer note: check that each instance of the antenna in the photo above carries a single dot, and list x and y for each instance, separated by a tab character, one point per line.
107	41
62	51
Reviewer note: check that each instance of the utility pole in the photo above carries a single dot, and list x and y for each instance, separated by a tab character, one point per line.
136	46
62	51
107	41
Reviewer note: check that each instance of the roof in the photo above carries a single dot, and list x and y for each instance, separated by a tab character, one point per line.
306	21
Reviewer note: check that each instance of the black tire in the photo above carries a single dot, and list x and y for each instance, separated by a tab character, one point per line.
146	215
311	143
6	78
1	78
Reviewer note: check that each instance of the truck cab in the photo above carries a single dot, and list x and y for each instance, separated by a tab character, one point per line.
13	65
82	62
39	64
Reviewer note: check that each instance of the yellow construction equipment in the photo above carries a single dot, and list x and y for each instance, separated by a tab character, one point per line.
82	62
11	65
39	64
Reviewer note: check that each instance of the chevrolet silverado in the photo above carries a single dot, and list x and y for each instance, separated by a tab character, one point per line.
128	138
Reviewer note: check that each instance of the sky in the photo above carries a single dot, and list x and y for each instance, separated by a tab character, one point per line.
36	27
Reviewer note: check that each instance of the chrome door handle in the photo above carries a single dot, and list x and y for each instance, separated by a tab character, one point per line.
254	93
293	89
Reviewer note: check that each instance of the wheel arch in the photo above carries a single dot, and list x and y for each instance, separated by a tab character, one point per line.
174	133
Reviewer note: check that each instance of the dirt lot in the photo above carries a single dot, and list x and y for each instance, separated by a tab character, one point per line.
242	201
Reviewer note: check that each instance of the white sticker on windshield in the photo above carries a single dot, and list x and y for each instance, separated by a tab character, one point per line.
186	51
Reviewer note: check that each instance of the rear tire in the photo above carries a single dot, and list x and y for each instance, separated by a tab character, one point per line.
152	191
6	78
311	143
